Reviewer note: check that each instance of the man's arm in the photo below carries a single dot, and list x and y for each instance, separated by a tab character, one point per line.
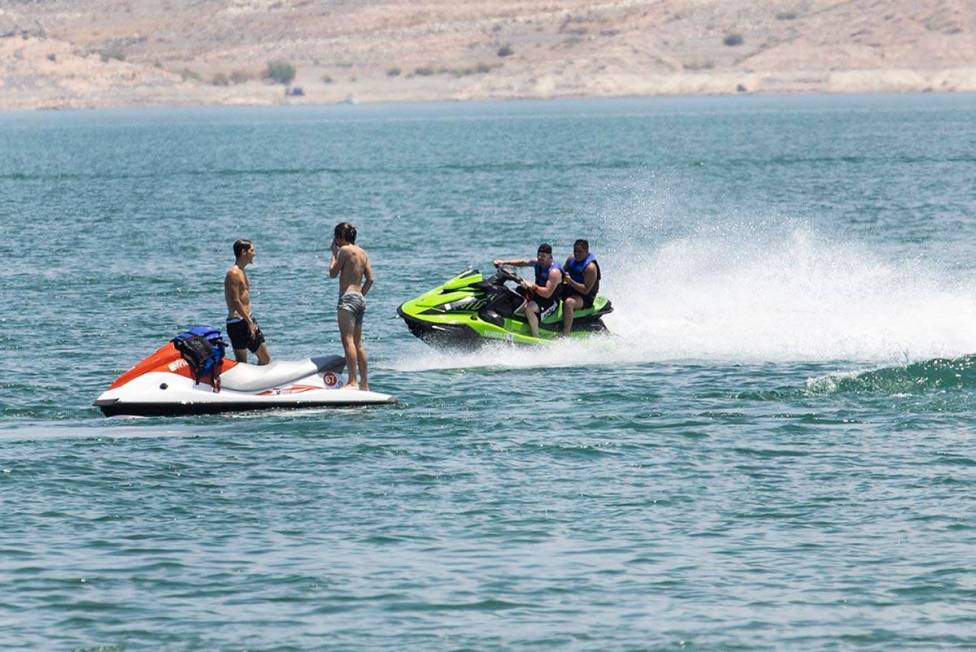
589	278
552	284
335	264
516	262
368	273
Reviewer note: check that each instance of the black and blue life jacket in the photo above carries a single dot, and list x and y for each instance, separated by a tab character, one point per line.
542	273
575	270
203	350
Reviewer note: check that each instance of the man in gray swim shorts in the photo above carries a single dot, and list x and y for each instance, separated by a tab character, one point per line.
351	264
355	303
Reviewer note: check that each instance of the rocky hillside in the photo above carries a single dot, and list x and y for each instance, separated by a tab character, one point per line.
65	53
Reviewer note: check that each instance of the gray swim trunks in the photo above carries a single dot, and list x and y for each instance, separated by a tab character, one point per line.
355	303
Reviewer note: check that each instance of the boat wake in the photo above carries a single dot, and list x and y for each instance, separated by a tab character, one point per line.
935	374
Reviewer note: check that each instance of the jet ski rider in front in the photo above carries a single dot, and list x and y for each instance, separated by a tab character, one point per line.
543	295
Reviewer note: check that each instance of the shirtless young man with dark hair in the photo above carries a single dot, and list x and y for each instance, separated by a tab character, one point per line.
351	264
243	330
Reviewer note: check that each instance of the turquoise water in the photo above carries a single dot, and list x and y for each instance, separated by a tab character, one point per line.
774	448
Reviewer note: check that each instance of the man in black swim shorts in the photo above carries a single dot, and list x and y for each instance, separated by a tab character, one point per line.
242	337
241	327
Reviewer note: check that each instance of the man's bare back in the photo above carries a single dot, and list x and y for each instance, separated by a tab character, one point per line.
355	272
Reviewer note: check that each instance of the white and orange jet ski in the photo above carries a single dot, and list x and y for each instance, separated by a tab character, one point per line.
163	384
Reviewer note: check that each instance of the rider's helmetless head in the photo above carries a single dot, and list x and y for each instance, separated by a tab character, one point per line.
581	248
544	254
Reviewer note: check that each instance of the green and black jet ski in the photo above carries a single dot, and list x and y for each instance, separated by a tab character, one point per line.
470	309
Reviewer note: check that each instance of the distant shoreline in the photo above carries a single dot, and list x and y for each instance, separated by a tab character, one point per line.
485	100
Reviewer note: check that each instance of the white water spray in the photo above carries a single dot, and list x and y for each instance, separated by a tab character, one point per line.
785	294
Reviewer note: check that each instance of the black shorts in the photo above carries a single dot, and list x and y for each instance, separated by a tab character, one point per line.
240	335
587	299
545	303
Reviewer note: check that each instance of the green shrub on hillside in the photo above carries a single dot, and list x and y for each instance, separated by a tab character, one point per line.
478	69
732	40
505	51
280	72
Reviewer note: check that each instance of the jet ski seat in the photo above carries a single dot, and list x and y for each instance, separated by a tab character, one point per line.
251	378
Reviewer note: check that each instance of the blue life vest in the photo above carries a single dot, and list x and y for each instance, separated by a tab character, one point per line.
542	273
575	270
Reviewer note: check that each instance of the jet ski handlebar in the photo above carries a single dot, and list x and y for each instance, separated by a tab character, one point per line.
506	273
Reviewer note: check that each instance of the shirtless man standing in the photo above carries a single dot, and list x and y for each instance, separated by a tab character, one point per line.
351	264
243	330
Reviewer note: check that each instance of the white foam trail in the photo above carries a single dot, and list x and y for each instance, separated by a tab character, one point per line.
114	431
784	295
571	353
754	292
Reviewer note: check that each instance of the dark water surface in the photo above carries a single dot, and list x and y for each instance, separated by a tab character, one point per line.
774	449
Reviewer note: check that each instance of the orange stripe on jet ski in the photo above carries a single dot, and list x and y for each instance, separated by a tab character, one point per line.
295	389
291	389
167	359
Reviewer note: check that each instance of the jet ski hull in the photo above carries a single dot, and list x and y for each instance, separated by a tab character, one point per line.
443	334
161	385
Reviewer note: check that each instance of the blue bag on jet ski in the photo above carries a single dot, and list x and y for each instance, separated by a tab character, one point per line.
203	350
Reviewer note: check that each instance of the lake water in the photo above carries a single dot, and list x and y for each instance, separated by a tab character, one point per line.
773	449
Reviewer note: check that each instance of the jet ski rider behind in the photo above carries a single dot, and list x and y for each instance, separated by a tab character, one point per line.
542	297
581	278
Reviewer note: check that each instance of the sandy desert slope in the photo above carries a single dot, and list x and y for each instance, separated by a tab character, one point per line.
62	54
